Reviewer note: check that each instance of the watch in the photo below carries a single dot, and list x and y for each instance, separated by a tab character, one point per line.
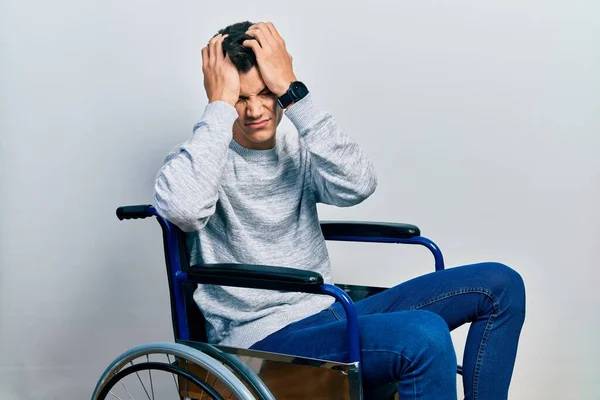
296	92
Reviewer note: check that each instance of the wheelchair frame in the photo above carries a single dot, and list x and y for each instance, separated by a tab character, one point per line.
188	322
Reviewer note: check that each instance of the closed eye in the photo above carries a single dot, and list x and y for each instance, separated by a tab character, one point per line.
263	93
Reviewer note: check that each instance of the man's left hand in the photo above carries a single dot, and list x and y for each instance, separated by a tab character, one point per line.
274	62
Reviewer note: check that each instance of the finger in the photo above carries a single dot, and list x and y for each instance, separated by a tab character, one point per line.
211	47
264	28
274	32
219	51
214	38
253	44
260	35
204	58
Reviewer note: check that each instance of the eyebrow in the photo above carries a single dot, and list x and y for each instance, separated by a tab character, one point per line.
265	90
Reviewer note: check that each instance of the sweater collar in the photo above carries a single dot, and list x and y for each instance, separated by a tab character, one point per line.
251	154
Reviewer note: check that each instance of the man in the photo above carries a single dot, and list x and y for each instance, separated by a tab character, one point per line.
248	194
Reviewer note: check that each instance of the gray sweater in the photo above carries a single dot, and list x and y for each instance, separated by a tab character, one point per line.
260	207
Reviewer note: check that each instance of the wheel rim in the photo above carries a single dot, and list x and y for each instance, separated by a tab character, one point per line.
134	369
178	351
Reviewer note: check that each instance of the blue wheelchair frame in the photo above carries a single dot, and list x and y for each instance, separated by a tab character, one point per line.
333	231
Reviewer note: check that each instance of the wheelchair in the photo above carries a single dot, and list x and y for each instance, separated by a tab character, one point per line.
191	368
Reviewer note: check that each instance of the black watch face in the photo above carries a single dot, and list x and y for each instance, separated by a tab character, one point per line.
299	90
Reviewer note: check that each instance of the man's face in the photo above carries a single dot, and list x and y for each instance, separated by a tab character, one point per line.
258	113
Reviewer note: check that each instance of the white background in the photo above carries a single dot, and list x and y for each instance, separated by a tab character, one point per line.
482	118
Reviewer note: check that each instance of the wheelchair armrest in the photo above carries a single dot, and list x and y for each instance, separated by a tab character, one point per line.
355	231
256	277
135	212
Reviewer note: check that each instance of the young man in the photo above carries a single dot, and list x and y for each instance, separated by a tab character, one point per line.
247	194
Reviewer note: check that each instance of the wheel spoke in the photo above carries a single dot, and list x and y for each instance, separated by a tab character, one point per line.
173	375
114	395
205	380
142	383
150	375
125	387
186	384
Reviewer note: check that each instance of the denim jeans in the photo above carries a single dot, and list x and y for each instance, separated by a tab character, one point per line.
405	333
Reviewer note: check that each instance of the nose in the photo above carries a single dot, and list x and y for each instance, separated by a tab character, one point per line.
254	108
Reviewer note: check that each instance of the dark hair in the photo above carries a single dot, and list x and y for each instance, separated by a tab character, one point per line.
242	57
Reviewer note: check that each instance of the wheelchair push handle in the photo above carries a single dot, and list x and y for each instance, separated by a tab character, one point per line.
135	212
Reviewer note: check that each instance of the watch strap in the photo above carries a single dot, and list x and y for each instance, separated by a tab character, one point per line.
285	99
296	92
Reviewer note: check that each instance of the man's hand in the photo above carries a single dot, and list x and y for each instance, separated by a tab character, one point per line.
221	77
274	62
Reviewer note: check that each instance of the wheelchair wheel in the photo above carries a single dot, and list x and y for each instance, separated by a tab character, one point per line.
159	371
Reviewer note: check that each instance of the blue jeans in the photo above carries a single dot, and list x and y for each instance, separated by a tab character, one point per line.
405	333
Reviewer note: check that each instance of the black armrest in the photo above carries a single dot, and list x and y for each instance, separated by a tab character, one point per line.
134	212
257	277
343	229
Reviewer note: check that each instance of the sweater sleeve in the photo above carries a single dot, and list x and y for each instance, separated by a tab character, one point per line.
187	185
342	174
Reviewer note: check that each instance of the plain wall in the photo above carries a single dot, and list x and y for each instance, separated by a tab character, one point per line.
482	118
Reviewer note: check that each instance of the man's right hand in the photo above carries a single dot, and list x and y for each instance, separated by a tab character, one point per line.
221	77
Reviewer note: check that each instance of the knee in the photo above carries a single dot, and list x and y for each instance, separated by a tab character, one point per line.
506	285
432	332
431	346
419	335
397	344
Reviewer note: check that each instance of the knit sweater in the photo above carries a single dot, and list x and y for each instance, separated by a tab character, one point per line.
260	207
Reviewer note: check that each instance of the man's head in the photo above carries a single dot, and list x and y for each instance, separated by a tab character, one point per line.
259	114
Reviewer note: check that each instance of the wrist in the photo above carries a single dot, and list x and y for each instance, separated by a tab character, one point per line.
295	92
283	87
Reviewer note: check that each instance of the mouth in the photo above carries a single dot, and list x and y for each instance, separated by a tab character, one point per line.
258	124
